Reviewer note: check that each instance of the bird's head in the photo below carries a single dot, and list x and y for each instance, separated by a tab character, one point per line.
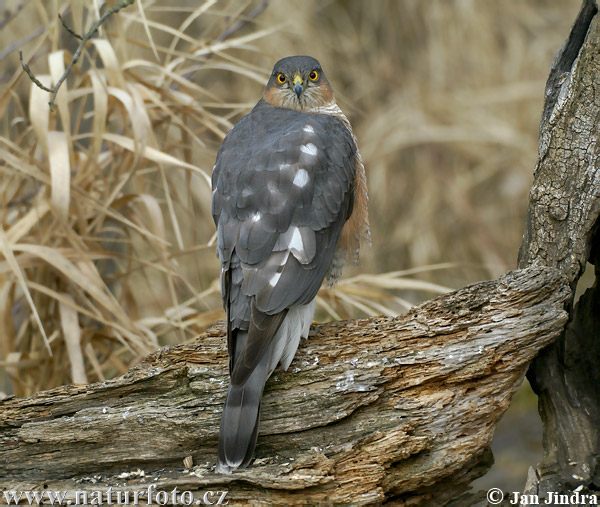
298	82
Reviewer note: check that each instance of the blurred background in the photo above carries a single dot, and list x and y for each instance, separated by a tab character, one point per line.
106	239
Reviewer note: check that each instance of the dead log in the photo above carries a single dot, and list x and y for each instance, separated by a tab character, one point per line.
370	410
562	233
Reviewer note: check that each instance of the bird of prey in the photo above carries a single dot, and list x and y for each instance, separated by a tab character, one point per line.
290	204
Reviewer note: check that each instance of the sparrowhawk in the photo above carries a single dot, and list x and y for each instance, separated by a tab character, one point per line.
290	204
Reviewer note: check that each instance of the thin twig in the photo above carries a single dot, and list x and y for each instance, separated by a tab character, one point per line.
32	77
69	29
77	53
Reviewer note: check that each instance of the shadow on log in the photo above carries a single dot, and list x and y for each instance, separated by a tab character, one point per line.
373	410
370	409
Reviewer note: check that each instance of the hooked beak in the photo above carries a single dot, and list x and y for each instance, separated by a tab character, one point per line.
297	86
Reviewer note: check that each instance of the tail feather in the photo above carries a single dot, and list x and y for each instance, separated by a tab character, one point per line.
239	423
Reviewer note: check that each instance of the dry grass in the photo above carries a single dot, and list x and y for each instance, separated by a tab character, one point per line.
106	236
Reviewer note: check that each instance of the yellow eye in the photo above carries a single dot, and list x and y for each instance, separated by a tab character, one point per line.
281	78
313	76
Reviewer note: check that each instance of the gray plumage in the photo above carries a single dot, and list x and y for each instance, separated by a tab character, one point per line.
282	191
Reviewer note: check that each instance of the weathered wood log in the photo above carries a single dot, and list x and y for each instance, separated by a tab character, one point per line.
370	410
562	232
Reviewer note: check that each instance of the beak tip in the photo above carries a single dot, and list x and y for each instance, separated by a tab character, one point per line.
298	89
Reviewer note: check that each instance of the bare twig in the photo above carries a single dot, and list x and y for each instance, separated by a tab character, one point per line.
77	53
69	29
32	77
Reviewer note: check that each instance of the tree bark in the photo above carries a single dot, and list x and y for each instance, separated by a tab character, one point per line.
370	410
562	233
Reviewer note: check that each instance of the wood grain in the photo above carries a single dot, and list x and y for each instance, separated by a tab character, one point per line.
369	409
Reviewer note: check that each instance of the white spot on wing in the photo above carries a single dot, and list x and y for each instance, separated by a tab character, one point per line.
309	149
301	178
274	279
256	217
296	241
309	129
285	258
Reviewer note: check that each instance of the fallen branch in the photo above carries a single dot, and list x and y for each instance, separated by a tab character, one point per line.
370	409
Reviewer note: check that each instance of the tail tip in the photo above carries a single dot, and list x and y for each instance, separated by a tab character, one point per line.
225	466
224	469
